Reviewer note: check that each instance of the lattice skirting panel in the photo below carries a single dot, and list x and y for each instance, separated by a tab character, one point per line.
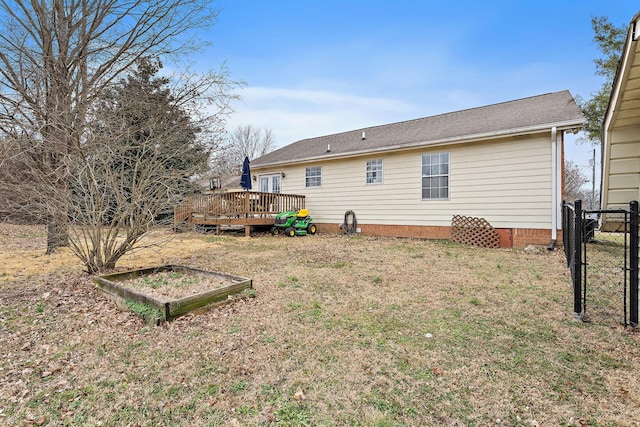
474	231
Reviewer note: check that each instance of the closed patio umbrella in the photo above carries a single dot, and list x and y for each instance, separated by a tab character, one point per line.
245	179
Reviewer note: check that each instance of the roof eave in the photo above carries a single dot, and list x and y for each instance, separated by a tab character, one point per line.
627	52
560	126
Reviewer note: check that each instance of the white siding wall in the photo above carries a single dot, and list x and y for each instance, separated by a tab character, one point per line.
624	168
507	182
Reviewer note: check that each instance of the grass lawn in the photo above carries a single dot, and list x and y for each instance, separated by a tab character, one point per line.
354	331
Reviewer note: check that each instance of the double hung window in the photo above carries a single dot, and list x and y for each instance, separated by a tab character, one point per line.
313	177
374	171
435	176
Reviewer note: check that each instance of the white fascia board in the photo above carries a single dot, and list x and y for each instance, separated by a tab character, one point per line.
625	60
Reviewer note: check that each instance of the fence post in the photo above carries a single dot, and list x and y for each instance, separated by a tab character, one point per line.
577	259
633	263
566	223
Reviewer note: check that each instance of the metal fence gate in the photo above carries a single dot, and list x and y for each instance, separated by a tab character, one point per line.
603	265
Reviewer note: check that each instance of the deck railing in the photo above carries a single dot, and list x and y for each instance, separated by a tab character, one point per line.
236	205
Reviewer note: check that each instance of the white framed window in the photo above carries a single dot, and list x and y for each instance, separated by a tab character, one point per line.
270	183
374	171
435	176
313	177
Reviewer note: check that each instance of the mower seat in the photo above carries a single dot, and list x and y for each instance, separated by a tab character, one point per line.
303	213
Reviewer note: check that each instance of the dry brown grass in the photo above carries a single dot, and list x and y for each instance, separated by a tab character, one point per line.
354	331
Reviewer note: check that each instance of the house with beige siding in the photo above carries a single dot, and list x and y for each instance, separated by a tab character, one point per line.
502	163
621	134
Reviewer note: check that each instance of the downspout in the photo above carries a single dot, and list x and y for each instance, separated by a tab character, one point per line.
559	178
554	188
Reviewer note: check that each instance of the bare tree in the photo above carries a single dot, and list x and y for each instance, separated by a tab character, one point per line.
574	183
57	57
244	141
12	174
251	142
142	149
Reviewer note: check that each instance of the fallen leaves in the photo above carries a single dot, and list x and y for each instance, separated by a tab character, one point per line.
322	341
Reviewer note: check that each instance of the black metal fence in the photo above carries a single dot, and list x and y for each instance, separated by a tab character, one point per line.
603	265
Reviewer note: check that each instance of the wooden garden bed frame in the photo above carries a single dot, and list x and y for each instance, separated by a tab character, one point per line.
113	287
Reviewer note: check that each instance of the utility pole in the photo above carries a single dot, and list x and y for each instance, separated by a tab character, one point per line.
593	180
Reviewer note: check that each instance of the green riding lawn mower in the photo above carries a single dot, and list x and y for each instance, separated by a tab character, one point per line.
294	223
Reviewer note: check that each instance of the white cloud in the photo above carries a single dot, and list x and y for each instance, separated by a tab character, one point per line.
295	114
299	114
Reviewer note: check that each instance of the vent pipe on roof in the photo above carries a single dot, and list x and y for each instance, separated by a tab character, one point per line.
363	136
328	148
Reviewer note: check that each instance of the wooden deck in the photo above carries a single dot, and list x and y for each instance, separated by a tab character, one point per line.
244	208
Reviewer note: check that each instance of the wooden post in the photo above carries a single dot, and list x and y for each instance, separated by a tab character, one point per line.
247	207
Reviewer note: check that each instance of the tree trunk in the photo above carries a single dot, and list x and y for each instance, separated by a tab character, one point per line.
57	188
57	233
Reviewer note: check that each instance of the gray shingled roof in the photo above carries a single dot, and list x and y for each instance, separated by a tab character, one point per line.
512	117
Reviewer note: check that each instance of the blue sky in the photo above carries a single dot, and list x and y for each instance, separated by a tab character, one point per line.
319	67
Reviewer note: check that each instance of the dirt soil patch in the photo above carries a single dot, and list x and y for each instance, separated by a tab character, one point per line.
340	330
172	285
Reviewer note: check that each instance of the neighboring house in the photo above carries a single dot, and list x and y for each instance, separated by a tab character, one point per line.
621	133
501	162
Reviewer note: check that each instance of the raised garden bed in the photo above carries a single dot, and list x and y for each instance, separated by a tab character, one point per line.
168	291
